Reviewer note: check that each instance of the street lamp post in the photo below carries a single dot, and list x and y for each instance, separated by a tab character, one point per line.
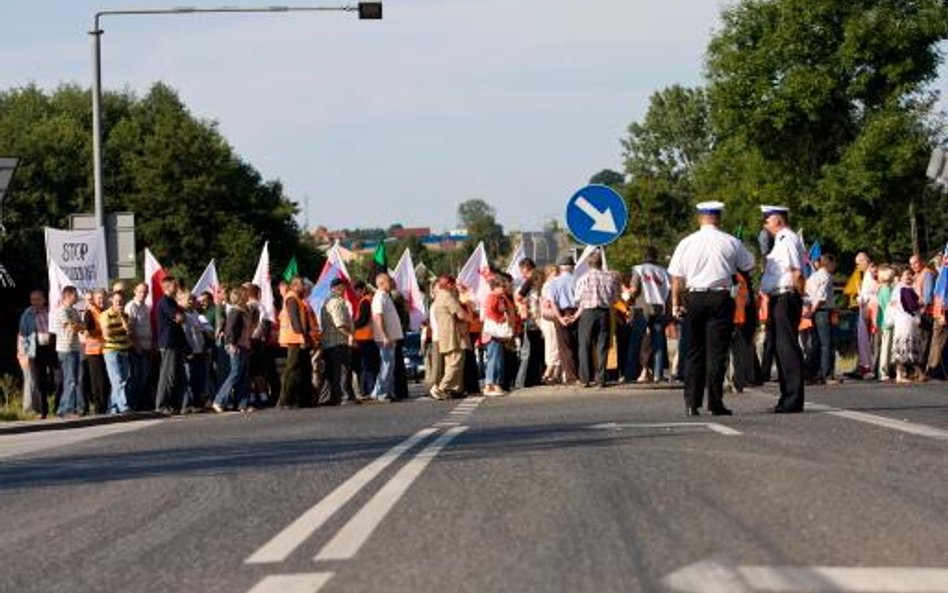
366	11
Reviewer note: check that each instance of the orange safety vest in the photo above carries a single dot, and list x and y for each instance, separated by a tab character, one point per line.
740	301
365	334
94	333
287	336
312	326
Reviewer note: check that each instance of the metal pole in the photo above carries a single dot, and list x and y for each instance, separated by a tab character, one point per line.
97	122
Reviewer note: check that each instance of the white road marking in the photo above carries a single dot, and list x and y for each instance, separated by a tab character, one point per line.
900	425
712	426
31	442
292	583
346	543
715	577
282	545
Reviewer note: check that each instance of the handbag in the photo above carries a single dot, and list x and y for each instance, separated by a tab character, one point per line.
498	330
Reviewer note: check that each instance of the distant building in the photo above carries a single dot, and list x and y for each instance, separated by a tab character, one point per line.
544	247
403	233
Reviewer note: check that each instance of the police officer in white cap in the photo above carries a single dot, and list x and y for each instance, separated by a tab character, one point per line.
703	269
783	283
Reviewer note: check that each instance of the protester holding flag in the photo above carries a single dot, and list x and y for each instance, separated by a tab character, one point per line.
197	333
172	386
453	338
562	295
98	377
335	323
260	361
821	301
294	337
237	331
365	354
139	330
116	345
387	328
936	364
527	299
596	291
66	325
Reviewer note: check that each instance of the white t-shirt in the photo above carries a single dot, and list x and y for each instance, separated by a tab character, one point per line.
382	304
709	258
786	256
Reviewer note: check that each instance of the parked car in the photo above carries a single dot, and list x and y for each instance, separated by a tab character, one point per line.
414	359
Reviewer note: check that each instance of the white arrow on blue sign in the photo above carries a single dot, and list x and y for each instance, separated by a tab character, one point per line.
596	215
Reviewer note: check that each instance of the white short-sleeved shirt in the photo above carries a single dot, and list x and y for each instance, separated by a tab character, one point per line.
786	256
654	285
709	258
383	305
819	289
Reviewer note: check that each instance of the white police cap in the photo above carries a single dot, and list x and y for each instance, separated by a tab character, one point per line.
710	207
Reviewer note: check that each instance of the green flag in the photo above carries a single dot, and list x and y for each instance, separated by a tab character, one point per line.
380	259
739	232
292	269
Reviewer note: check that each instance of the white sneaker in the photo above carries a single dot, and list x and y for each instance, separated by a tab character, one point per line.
436	393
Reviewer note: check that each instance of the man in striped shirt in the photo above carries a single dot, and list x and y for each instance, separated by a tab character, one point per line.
596	291
115	347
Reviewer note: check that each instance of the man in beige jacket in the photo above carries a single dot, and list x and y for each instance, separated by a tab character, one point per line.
451	318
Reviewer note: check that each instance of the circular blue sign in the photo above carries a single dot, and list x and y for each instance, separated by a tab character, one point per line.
596	215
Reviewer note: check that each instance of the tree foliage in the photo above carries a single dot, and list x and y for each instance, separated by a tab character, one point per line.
193	197
480	220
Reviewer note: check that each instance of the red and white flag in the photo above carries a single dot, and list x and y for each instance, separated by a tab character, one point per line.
406	281
475	274
208	282
154	274
582	266
261	277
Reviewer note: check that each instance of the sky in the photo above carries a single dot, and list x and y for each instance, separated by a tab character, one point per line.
371	123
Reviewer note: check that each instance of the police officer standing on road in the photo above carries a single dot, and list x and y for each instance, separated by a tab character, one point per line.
703	268
783	283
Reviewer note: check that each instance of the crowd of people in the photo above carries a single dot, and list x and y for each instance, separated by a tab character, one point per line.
700	322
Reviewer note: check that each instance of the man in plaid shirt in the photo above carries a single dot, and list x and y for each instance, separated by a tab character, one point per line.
596	291
338	329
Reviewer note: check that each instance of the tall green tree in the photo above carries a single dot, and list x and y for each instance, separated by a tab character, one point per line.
662	153
826	106
480	220
193	197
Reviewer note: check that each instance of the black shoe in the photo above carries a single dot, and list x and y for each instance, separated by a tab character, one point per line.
692	412
780	410
721	412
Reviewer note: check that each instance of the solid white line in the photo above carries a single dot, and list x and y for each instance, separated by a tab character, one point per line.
901	425
282	545
31	442
712	426
345	545
858	580
712	576
292	583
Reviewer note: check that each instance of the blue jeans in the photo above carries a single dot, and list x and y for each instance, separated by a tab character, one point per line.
116	364
824	335
235	381
494	375
385	381
656	326
69	403
633	364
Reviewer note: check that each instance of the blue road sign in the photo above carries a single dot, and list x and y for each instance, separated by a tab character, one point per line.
596	215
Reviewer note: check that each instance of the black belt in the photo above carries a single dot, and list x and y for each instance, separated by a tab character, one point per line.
781	292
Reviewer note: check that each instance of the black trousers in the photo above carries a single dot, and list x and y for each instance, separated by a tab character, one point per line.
172	383
401	373
296	378
593	332
783	323
530	369
43	372
339	374
709	324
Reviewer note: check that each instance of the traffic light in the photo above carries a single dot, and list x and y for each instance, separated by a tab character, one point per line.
370	11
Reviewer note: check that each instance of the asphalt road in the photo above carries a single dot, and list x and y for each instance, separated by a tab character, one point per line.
548	490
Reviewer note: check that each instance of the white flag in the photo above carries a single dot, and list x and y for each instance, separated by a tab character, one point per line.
475	273
208	282
513	268
407	284
58	280
262	279
582	266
